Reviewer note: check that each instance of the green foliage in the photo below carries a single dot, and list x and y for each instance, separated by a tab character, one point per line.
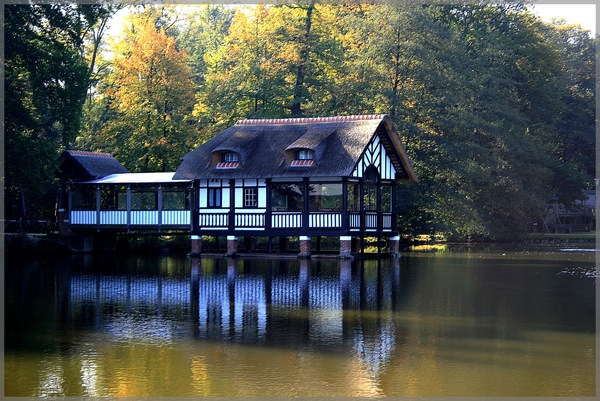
495	108
46	78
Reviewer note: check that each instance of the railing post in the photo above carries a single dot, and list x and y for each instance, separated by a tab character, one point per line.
268	210
394	206
67	221
345	215
379	215
306	206
128	206
232	208
98	195
159	206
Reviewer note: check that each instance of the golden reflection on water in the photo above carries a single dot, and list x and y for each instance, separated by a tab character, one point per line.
540	364
434	345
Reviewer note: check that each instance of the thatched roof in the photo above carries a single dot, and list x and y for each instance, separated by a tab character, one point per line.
83	166
266	148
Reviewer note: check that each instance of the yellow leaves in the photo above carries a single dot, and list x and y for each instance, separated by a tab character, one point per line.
152	95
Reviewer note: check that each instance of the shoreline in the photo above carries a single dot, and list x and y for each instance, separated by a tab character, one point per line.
33	245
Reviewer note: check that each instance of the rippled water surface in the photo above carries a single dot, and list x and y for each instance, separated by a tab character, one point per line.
446	323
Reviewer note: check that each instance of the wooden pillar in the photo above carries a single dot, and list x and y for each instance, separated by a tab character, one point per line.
250	244
357	244
306	207
62	220
159	204
284	244
98	205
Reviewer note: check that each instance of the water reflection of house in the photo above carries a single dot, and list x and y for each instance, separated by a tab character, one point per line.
580	217
229	303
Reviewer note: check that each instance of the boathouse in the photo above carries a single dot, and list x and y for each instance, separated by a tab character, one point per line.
274	178
305	177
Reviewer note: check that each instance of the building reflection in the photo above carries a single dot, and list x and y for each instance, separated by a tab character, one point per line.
284	303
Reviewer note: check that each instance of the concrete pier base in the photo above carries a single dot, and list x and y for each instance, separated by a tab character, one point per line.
345	247
196	245
394	246
304	247
232	245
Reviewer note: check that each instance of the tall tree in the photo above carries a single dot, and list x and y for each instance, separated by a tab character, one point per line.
152	96
574	116
46	78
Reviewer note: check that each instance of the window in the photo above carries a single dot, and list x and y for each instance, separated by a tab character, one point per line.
144	199
386	198
250	197
83	197
175	199
370	197
230	157
371	178
229	160
326	197
113	197
371	175
304	158
214	197
304	154
353	197
287	197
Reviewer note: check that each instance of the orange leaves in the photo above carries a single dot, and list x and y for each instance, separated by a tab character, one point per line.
152	95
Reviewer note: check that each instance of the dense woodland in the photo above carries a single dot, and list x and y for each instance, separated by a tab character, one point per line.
495	108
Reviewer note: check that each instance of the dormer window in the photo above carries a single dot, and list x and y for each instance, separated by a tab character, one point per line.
230	157
304	154
304	157
229	160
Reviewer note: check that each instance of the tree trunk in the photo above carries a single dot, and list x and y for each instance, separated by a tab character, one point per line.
301	74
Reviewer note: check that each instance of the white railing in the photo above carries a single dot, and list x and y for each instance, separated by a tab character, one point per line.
354	220
144	217
113	217
82	217
250	220
279	220
175	217
286	220
214	220
387	221
325	220
370	221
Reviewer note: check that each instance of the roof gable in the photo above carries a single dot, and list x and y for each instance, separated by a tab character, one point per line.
338	144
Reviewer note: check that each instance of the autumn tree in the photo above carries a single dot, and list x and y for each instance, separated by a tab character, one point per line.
151	96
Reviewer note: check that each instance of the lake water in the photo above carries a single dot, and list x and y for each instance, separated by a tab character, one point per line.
454	322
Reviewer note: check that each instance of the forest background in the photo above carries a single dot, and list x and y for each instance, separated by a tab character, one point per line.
495	108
